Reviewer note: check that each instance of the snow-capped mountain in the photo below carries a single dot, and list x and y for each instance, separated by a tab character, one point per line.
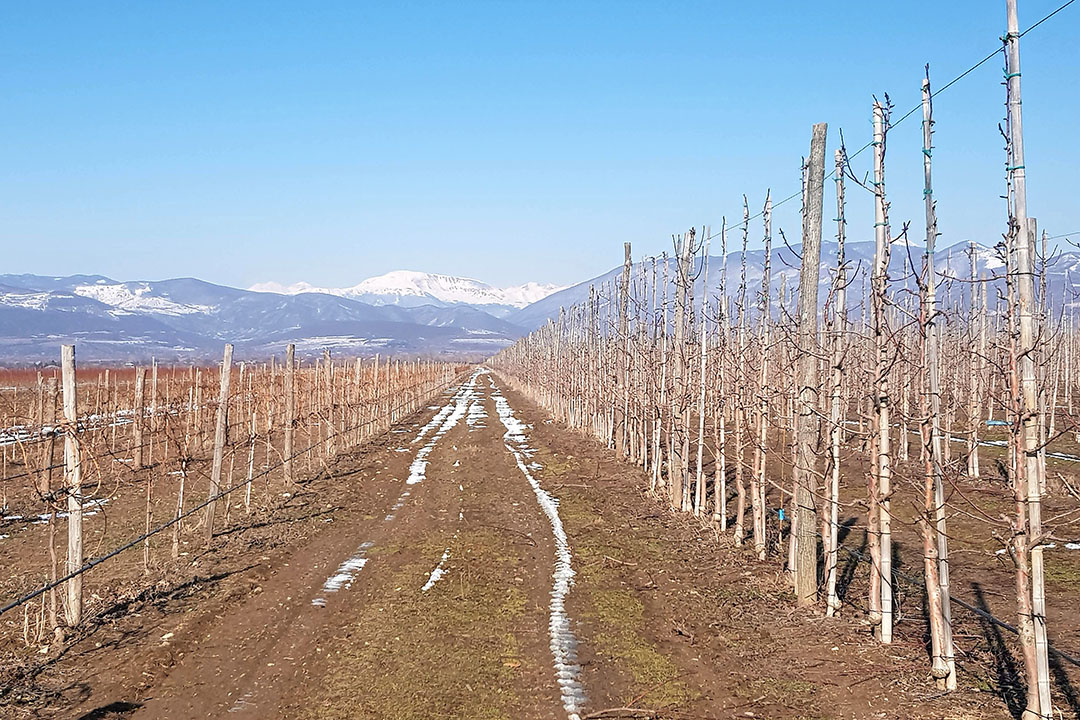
134	298
408	288
188	320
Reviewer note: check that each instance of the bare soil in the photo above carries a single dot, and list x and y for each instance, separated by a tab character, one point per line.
669	617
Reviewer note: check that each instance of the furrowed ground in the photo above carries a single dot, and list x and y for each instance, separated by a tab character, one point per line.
425	576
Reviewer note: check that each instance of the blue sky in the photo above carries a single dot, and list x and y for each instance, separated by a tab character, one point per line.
508	141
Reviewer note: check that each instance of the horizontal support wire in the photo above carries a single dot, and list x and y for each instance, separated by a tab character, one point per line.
188	513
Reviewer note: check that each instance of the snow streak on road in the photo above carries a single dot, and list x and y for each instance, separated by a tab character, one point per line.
441	423
563	642
438	572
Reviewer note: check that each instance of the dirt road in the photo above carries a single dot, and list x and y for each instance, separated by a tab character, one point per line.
428	605
485	563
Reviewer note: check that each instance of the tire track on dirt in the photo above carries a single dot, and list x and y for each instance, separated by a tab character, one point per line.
474	418
469	642
259	650
474	644
563	641
443	422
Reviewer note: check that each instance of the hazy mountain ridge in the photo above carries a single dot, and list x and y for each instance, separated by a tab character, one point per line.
186	318
189	319
1063	270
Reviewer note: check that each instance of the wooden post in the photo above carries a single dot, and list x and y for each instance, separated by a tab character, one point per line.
73	480
153	406
806	426
328	399
622	375
290	408
138	417
219	440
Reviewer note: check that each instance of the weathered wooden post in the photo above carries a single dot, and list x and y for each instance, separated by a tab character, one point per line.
290	409
219	440
139	416
328	400
806	424
73	481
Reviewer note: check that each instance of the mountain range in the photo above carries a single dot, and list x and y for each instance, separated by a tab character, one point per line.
408	288
188	319
951	262
412	313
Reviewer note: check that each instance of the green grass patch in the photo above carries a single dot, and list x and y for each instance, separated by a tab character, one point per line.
621	619
1061	570
620	630
447	653
778	690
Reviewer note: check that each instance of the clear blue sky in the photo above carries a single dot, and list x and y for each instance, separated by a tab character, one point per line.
507	141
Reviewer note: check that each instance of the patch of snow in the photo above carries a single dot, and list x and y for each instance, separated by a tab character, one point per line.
438	572
448	417
445	419
138	300
393	287
563	642
27	300
345	574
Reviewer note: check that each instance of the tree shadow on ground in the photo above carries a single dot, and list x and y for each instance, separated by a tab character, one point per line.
113	710
103	625
253	524
843	529
1061	679
847	570
1008	675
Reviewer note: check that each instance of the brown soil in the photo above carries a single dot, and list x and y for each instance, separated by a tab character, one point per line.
667	615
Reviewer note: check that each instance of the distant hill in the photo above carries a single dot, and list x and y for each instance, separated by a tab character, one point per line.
402	312
185	318
1063	270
